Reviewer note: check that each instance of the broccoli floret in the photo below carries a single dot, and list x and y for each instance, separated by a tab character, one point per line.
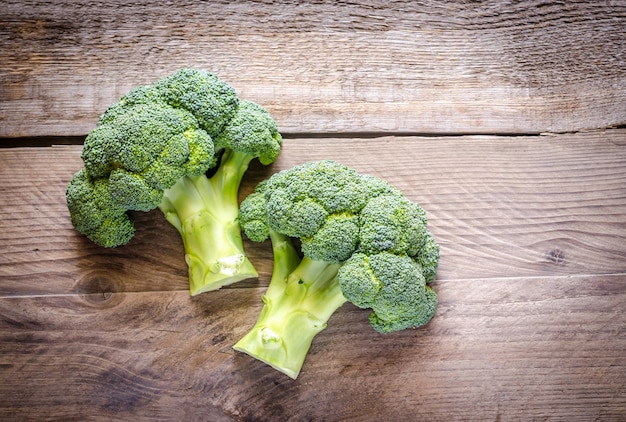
393	286
181	144
361	241
107	221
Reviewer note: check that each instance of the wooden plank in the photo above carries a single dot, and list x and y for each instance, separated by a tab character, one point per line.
522	206
380	66
498	349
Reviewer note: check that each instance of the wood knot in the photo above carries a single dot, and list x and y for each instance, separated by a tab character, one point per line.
556	256
100	288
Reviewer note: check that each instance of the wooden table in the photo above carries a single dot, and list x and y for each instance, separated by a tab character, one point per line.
504	120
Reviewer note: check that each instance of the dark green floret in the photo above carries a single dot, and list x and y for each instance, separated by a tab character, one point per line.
361	240
95	213
154	148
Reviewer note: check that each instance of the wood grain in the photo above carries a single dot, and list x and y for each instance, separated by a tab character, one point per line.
530	325
504	120
399	66
529	206
511	349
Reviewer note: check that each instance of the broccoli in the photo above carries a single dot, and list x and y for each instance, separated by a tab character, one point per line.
361	240
181	144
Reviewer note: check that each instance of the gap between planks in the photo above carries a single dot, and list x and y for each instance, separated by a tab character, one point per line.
247	285
51	141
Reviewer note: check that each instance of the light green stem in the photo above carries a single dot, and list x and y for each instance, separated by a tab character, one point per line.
294	311
206	214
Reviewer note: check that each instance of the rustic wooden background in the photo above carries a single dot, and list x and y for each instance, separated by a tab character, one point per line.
506	120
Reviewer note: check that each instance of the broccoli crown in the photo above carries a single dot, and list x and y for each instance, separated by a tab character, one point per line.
360	221
156	134
251	131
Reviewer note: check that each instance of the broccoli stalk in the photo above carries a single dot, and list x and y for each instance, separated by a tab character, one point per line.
362	241
205	212
301	297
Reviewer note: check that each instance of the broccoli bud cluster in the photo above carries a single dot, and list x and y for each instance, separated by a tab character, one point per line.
379	236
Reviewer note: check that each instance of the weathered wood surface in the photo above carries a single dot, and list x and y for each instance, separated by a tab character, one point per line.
530	326
532	283
548	348
379	66
499	207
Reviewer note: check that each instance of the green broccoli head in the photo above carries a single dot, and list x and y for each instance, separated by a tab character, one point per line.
334	211
159	133
360	221
393	286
